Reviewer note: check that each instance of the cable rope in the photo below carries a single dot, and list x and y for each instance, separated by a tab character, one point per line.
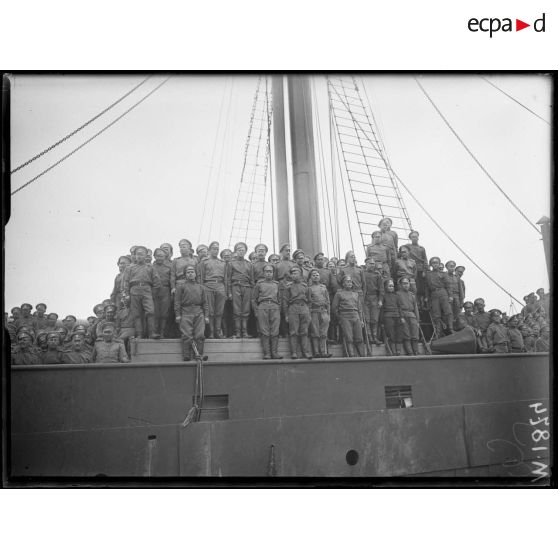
447	235
92	137
68	136
474	158
334	181
515	100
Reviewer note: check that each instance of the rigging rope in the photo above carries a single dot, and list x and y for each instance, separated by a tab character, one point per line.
92	137
443	231
44	151
515	100
474	158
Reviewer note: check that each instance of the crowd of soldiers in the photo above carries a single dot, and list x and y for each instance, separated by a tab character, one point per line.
314	301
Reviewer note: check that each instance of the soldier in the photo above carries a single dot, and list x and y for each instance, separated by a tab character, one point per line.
138	283
379	253
298	258
178	265
125	323
283	276
41	341
77	353
266	307
482	319
133	254
542	344
15	313
346	306
459	271
212	276
497	334
162	296
295	307
107	349
69	322
40	319
191	309
517	344
389	239
528	338
52	320
418	253
109	318
544	302
53	352
259	263
465	318
274	259
390	319
24	352
324	273
357	275
456	297
409	316
167	248
319	314
123	262
25	319
202	252
149	256
373	299
239	282
227	324
406	267
253	256
437	287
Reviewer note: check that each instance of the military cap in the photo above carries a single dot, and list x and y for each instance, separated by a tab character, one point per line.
15	308
258	246
532	295
53	314
225	252
345	277
70	317
23	328
23	334
432	259
149	252
273	256
295	269
459	268
468	303
525	298
541	290
376	233
268	266
414	232
200	248
495	312
189	267
126	257
297	253
97	308
283	246
158	250
401	279
450	262
80	327
53	334
41	334
133	249
181	241
385	219
77	332
106	301
41	304
318	255
213	244
477	300
143	248
27	305
111	305
240	244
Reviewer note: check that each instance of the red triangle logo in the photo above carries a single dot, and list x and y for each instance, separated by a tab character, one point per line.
519	25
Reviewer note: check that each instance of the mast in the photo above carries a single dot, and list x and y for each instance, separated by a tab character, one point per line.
280	156
305	190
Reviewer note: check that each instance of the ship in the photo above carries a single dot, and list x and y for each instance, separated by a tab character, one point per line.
236	416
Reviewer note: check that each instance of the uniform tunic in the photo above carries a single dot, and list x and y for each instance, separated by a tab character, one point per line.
390	315
346	306
454	290
516	340
51	356
418	254
258	270
191	305
295	306
498	338
380	253
139	281
162	296
212	276
76	357
28	355
265	302
437	286
178	269
319	310
374	293
327	279
406	268
239	280
113	351
39	323
408	309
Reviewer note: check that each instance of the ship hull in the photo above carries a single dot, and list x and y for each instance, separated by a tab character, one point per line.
369	417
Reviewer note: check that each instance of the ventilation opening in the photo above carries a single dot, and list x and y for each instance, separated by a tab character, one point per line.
214	407
398	397
152	437
352	457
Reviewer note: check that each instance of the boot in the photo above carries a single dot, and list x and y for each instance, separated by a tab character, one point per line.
293	340
305	346
237	329
315	344
264	339
274	345
218	330
323	348
361	349
199	346
150	320
350	350
398	348
375	339
244	327
186	350
211	330
407	346
414	345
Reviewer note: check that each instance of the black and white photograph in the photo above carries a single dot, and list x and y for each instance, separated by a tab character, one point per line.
264	277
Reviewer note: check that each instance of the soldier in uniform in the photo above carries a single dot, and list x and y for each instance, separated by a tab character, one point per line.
274	259
373	299
259	263
227	324
167	248
418	253
123	262
390	240
52	320
298	258
482	319
283	276
266	307
437	286
25	319
191	309
465	318
178	265
456	297
78	352
497	334
108	349
295	307
390	319
528	338
69	322
326	278
40	319
346	306
409	316
125	323
517	344
406	267
212	277
379	253
133	254
542	344
53	352
109	318
459	271
239	282
24	352
357	276
162	295
544	302
202	252
138	283
319	314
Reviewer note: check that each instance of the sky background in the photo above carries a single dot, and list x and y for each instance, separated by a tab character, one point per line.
147	179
